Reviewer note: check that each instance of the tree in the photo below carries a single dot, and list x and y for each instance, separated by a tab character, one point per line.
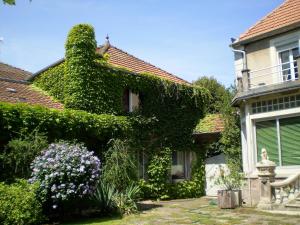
218	92
9	2
220	102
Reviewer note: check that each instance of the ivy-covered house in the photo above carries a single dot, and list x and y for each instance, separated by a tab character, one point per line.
104	92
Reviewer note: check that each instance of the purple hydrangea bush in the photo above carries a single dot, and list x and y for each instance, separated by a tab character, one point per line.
65	171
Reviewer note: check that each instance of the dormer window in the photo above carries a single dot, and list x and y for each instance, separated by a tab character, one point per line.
131	101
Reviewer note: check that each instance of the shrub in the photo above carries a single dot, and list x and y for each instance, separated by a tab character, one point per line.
105	197
159	174
19	153
158	185
19	205
230	179
126	200
119	168
65	171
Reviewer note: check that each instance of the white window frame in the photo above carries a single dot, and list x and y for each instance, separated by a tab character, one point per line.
291	62
276	45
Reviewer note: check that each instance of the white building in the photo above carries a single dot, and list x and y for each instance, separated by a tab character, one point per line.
268	95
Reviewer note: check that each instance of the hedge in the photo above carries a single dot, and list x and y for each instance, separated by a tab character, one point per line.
19	204
92	129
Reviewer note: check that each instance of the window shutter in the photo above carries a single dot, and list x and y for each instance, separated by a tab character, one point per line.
266	137
290	141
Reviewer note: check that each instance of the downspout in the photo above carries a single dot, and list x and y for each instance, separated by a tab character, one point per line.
245	67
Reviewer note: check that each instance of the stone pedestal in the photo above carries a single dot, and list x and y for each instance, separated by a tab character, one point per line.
266	176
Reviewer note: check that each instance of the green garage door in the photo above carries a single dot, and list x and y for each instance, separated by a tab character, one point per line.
290	141
266	137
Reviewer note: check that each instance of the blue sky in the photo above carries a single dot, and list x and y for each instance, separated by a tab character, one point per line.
188	38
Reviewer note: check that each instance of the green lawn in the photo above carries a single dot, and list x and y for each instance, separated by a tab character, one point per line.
195	211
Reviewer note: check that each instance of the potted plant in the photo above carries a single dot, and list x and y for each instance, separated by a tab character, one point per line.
230	196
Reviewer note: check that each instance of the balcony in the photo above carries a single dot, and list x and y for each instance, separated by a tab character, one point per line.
280	78
285	72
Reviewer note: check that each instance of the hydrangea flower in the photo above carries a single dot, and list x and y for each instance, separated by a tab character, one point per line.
64	171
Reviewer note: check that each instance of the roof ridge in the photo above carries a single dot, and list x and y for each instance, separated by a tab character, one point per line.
30	73
263	18
146	62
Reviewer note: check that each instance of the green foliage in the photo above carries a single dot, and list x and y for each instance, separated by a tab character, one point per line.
126	200
220	102
80	86
19	153
105	197
90	83
9	2
168	111
185	189
18	204
231	136
94	130
230	180
217	91
53	81
159	174
120	168
208	123
162	188
110	200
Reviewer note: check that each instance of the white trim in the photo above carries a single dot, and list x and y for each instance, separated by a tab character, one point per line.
255	142
279	167
278	141
275	45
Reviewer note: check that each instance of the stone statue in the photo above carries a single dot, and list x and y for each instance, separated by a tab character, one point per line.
264	155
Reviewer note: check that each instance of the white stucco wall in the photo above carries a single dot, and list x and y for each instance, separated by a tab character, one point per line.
212	172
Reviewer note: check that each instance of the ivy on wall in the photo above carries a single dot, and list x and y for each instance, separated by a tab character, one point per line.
91	84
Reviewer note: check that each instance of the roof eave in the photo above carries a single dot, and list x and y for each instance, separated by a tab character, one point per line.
45	68
266	35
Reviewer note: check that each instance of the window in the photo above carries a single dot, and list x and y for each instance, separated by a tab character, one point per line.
131	101
281	138
266	137
178	165
286	102
289	139
289	67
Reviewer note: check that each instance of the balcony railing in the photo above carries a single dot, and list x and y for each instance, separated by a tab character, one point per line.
277	74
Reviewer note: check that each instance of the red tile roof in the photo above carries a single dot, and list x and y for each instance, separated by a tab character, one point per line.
13	73
287	14
15	92
14	88
211	123
121	58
